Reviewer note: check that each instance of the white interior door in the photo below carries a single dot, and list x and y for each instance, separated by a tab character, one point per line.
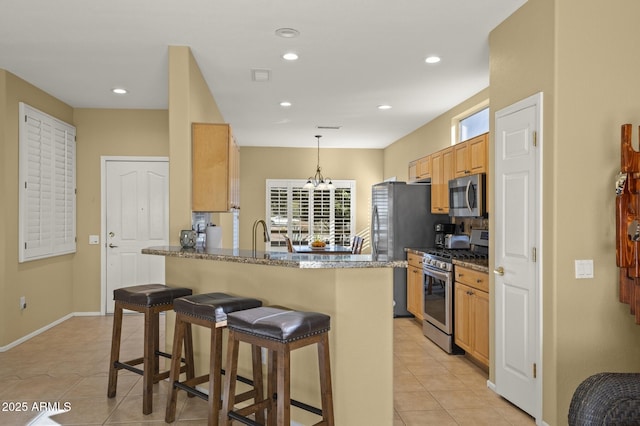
137	216
518	257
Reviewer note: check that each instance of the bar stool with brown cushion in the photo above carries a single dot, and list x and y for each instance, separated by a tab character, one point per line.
280	330
208	310
150	300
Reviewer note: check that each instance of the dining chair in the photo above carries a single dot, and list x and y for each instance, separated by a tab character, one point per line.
356	247
289	245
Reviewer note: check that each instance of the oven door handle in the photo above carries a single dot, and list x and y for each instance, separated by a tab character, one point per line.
436	273
467	196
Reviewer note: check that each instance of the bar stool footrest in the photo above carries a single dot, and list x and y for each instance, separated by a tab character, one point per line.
191	390
128	366
240	414
189	386
305	407
242	419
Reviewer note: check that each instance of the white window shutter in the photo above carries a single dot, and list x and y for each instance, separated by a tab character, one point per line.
302	213
47	186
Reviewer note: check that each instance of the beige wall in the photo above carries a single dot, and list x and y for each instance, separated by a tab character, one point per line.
579	53
597	91
106	132
190	100
523	63
259	164
4	209
45	283
429	138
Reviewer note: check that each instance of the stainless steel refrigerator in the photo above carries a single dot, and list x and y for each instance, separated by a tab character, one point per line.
401	217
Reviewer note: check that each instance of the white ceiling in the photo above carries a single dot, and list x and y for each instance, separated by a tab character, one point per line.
354	56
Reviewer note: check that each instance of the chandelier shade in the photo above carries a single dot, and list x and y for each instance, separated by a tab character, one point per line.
318	181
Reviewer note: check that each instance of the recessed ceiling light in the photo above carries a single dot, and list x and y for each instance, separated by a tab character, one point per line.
287	32
119	91
290	56
384	107
285	104
432	59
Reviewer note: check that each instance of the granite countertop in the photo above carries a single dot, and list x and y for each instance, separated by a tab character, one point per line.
480	265
419	251
277	258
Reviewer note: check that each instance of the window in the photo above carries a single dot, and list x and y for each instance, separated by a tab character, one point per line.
474	125
470	123
301	213
47	169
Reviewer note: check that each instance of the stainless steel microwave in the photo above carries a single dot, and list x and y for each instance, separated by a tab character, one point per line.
467	196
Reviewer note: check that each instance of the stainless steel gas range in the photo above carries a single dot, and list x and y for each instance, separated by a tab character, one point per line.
438	293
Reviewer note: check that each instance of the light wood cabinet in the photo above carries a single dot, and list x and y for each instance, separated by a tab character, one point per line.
441	173
470	157
420	169
215	168
415	297
424	167
413	171
471	313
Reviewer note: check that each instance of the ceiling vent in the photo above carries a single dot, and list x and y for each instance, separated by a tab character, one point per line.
260	75
329	127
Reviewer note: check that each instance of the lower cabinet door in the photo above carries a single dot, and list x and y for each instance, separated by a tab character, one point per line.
481	326
462	311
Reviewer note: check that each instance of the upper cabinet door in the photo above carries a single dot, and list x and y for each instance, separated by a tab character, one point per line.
471	156
215	168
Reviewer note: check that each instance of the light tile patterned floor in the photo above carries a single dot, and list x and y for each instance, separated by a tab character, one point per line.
68	365
432	387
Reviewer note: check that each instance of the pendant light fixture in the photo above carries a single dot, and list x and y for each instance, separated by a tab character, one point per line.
318	181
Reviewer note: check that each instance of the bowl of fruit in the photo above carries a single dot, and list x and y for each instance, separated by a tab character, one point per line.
317	244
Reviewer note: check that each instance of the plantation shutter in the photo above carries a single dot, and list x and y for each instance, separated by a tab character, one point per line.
47	186
301	213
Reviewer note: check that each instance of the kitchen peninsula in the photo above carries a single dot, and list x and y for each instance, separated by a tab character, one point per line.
355	290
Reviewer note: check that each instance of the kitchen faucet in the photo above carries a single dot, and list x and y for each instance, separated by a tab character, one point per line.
264	232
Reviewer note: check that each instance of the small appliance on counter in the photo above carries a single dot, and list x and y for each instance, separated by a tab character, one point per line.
452	241
441	230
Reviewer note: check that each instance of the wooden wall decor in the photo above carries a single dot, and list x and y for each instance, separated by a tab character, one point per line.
628	223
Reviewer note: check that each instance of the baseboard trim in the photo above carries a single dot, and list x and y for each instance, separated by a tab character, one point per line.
47	327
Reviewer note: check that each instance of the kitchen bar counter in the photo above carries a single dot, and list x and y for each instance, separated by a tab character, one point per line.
356	291
290	260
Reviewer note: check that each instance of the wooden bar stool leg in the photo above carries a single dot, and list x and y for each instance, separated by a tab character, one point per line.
324	365
283	378
115	350
188	353
174	374
230	378
271	386
256	359
149	364
215	386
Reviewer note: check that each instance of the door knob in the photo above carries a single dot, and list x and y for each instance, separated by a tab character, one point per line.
112	246
499	270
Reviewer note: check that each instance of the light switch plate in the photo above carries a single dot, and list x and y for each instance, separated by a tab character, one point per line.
94	239
584	269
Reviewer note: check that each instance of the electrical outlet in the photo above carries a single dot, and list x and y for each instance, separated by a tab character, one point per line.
23	302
